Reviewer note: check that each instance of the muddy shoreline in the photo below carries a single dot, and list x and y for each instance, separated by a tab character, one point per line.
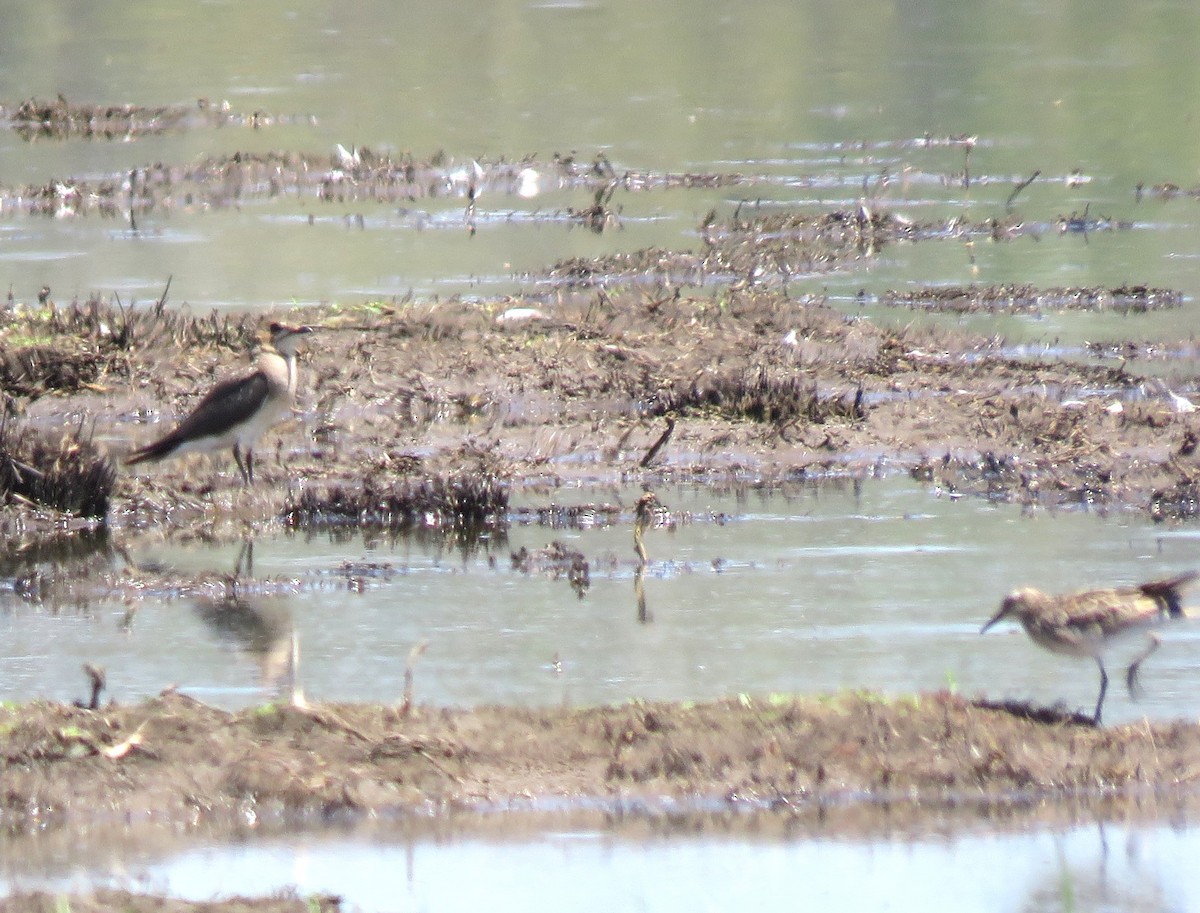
173	759
756	387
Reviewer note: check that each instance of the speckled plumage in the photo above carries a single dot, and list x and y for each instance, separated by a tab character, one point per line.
1089	622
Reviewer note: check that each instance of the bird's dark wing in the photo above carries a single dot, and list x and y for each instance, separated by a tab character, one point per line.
227	404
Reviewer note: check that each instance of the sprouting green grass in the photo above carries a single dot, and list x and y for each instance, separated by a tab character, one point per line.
951	681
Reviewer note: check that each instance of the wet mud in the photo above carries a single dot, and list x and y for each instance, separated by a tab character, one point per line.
430	414
172	758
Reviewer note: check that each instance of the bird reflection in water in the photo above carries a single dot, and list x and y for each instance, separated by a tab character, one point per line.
264	633
261	629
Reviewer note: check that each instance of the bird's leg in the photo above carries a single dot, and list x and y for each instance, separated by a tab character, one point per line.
1131	675
247	471
1103	688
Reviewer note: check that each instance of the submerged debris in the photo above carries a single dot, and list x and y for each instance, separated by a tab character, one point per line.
101	900
570	516
60	119
556	560
69	474
1180	501
773	248
1020	299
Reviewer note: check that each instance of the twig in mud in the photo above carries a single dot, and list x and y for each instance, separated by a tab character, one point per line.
296	697
413	655
118	751
162	299
472	194
399	745
620	444
97	680
1008	205
659	444
132	196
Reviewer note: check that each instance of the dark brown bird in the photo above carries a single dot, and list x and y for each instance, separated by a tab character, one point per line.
1089	623
237	411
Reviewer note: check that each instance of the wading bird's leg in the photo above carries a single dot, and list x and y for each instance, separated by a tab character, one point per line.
246	468
1103	688
1131	676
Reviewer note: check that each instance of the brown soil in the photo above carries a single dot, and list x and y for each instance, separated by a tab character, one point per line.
174	759
106	900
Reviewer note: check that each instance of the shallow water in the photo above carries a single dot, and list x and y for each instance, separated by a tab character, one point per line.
882	585
810	105
1097	866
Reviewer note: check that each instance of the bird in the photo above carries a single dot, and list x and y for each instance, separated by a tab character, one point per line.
237	411
645	516
1089	622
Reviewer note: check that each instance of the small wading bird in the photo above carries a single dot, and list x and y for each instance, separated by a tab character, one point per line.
237	411
644	517
1089	623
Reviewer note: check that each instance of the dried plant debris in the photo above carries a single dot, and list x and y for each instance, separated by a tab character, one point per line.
599	215
761	395
86	339
60	119
35	370
69	474
341	176
1020	299
770	249
457	503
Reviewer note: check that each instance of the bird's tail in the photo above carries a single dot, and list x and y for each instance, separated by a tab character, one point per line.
1167	592
154	451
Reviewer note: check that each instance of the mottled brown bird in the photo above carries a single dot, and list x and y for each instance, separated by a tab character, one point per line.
645	516
1089	623
237	411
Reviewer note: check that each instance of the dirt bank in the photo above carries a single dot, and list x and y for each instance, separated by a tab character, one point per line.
174	759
